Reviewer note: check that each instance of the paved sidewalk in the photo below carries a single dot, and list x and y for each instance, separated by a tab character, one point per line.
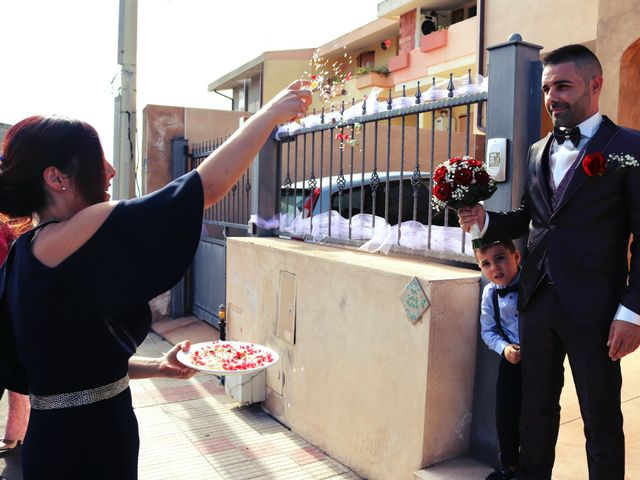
190	429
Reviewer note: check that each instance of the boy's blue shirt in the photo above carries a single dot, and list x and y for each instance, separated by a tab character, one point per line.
509	318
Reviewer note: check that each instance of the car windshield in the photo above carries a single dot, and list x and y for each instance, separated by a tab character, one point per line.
387	204
291	201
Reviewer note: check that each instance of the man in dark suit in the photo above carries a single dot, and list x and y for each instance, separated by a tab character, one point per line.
579	295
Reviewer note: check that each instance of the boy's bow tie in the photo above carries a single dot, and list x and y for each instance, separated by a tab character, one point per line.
572	134
503	292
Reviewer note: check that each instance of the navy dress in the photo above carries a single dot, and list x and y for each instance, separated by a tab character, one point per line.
74	325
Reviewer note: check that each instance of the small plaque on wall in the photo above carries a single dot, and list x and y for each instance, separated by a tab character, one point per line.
414	300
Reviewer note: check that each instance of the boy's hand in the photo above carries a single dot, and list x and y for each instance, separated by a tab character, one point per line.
512	353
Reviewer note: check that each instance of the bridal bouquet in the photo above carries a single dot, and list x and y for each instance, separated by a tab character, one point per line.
462	182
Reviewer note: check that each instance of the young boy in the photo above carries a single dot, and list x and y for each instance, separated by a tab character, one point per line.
499	262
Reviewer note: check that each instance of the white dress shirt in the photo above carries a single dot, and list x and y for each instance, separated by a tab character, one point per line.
561	158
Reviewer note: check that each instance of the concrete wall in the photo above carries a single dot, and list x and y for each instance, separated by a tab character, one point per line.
618	22
609	27
382	395
550	23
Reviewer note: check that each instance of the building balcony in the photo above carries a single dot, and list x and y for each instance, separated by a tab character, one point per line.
442	51
373	79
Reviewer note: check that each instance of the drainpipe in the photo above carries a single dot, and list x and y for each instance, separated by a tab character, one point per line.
225	96
261	102
480	59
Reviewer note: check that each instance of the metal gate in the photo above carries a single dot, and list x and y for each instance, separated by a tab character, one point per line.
227	218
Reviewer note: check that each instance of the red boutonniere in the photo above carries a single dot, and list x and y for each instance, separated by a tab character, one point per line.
594	164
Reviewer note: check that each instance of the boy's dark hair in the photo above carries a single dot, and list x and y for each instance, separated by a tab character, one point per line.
578	54
505	242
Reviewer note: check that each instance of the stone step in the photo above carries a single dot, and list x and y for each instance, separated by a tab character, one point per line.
465	468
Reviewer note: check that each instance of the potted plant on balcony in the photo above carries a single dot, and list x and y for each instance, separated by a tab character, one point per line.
376	76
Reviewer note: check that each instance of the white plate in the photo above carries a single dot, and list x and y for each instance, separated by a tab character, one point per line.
186	358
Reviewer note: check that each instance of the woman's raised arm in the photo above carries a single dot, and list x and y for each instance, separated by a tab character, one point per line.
222	168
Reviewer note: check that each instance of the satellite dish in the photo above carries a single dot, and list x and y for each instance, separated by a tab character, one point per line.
428	26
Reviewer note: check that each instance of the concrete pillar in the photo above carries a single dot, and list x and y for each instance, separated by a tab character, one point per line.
179	292
265	195
513	112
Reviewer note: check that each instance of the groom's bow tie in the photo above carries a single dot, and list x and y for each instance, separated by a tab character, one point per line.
572	134
503	292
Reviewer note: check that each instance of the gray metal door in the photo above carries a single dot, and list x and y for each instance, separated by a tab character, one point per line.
229	217
208	284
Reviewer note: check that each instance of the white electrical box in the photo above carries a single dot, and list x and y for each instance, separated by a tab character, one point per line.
247	388
496	161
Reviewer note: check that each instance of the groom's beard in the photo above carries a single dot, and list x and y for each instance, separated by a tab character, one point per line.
573	113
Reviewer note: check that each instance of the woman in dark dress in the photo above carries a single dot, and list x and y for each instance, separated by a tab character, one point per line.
78	284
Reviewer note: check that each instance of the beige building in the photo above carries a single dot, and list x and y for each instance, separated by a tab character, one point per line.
608	27
258	80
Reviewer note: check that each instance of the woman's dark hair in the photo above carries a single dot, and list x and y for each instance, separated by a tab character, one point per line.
38	142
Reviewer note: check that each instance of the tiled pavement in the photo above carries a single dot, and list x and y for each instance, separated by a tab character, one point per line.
190	429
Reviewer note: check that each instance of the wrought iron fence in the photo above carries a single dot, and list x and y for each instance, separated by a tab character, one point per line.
233	209
376	158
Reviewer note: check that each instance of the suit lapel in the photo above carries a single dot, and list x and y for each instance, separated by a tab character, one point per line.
541	152
599	143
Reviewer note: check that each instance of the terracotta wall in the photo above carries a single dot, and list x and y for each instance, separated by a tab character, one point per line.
354	155
407	39
163	123
617	48
628	106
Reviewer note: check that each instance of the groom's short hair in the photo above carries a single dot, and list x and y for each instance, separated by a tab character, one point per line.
578	54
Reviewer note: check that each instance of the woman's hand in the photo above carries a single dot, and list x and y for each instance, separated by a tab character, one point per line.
220	171
290	103
170	366
166	366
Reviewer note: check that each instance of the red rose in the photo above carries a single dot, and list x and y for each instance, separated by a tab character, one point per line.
440	174
442	191
594	164
475	163
455	160
482	177
464	176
